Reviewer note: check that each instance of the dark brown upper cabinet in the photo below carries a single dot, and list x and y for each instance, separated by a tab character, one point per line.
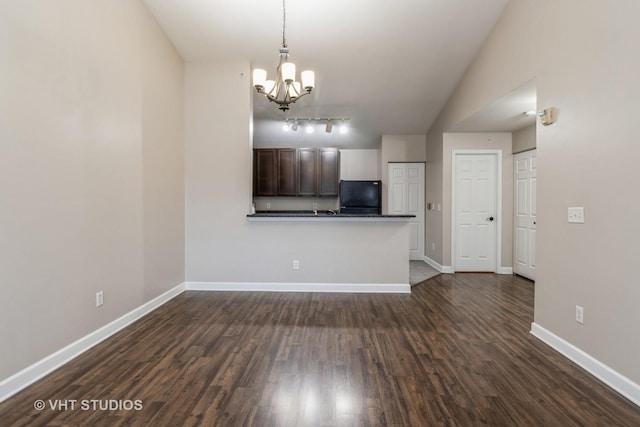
265	172
307	172
287	172
296	172
328	172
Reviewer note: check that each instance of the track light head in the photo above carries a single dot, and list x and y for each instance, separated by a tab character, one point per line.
329	126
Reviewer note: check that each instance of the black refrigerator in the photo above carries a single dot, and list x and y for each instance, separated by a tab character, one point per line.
360	197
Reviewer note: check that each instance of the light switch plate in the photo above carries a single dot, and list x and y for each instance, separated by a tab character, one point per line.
576	215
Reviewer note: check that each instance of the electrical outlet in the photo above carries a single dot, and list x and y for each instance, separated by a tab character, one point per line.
576	215
579	314
433	246
99	299
268	205
296	264
315	206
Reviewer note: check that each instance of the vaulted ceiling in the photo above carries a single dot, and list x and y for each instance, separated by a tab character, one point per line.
389	66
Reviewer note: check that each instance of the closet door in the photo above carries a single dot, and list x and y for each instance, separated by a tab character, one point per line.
525	214
406	197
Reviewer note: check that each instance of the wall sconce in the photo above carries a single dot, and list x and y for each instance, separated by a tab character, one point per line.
548	116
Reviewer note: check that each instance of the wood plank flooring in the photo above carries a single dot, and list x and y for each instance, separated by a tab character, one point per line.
456	352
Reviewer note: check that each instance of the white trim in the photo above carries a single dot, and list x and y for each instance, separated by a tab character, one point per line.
505	270
437	266
33	373
300	287
498	154
604	373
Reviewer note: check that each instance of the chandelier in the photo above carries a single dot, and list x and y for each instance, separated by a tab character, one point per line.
284	90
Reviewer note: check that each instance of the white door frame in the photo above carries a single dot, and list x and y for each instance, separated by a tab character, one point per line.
498	154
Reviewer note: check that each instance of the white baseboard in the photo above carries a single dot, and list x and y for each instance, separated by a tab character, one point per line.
300	287
33	373
449	269
604	373
440	268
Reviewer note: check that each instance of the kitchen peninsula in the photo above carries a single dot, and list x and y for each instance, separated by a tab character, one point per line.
326	252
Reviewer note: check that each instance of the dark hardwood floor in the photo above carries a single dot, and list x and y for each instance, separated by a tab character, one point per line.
457	351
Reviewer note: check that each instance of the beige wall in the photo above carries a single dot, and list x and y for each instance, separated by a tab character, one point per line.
399	148
222	246
360	164
91	170
524	139
479	141
585	59
403	148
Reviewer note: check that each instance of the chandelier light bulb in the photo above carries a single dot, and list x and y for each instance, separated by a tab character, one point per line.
294	90
308	79
288	72
259	77
270	87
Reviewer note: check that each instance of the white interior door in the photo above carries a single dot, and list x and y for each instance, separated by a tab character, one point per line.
525	214
406	197
475	212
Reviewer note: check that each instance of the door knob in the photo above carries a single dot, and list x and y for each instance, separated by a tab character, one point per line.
490	218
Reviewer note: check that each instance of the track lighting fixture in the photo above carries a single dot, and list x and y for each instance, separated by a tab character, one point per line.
292	124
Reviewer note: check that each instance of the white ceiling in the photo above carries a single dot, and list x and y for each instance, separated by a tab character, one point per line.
390	66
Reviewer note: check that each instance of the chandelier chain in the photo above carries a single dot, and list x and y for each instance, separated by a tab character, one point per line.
284	24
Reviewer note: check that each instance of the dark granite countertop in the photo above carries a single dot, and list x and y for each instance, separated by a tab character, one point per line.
321	214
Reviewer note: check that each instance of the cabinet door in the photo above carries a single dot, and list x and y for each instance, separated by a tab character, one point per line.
287	171
307	172
264	172
328	170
